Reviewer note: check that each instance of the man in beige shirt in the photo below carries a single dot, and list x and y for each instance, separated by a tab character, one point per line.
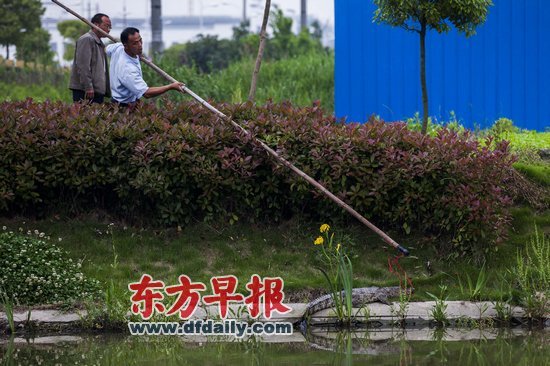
90	74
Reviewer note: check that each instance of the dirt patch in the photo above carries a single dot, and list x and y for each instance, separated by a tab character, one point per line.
164	265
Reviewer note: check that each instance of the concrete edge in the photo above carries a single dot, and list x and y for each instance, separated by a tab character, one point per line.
416	313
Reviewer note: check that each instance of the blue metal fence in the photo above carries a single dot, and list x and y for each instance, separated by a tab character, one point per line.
502	71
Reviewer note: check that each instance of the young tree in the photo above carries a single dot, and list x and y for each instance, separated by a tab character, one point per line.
252	93
422	15
72	30
17	17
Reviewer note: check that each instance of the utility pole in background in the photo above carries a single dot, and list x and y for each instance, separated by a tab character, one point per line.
124	15
244	11
156	27
303	14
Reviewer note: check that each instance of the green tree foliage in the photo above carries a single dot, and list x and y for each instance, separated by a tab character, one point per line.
285	43
72	30
16	18
281	44
246	41
241	31
171	55
34	47
317	33
422	15
208	53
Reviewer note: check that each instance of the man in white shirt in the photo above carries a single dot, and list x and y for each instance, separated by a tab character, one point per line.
127	84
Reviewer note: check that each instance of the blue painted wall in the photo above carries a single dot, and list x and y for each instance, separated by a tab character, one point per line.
502	71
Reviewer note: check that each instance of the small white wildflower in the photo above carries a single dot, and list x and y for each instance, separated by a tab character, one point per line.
59	239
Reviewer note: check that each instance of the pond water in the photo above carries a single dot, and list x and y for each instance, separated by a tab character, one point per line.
468	347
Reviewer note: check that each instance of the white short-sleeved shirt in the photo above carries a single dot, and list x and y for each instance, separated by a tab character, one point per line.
127	84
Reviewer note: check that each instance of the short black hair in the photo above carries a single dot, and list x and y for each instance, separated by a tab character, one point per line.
98	18
127	32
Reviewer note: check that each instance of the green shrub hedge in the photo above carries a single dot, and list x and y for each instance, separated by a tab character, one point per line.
181	162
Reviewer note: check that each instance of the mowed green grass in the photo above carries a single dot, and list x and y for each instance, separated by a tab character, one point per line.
122	254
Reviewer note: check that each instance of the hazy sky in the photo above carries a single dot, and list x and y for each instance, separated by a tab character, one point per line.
321	9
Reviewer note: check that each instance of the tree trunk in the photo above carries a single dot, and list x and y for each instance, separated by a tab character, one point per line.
423	77
252	93
7	52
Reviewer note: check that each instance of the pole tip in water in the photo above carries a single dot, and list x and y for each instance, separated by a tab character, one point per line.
403	250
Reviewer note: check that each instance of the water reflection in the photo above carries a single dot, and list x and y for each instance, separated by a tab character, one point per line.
380	347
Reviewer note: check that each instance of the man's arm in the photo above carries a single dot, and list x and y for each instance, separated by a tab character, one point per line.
110	48
155	91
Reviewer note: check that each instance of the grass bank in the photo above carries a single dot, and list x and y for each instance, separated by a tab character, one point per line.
112	251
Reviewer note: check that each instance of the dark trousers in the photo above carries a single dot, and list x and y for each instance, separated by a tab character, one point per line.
129	106
79	95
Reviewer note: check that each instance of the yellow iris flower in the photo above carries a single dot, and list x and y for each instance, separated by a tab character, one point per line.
319	241
324	228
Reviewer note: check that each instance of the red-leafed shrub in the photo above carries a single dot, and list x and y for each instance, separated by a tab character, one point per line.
182	162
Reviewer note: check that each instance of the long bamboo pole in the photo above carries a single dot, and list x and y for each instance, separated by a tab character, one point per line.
184	89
